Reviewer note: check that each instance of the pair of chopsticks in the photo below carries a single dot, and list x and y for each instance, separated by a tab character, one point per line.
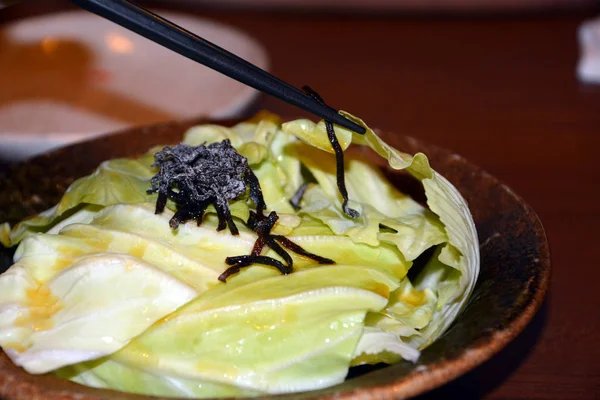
164	32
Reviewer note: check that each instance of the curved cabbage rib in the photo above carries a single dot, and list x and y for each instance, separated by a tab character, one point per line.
451	274
462	250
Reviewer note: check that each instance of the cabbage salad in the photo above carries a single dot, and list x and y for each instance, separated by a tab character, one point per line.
106	292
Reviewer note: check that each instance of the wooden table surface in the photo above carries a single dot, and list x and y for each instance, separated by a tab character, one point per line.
503	93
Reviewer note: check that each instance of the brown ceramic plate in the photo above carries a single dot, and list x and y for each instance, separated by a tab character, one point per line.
515	268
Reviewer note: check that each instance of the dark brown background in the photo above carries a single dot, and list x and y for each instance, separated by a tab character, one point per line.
502	92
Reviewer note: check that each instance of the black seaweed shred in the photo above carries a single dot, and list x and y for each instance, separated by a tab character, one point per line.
287	243
307	178
238	262
195	177
263	226
256	194
297	197
339	158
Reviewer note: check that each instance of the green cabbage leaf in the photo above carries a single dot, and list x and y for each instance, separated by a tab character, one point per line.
105	293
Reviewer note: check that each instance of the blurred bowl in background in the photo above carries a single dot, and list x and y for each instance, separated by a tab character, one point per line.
71	76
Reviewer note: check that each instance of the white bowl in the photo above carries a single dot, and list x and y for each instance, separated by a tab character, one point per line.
70	76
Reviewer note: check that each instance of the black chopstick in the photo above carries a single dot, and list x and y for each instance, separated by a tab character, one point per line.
174	37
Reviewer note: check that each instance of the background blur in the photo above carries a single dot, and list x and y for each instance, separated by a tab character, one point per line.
377	5
494	80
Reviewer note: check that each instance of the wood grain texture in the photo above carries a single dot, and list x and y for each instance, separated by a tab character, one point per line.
502	93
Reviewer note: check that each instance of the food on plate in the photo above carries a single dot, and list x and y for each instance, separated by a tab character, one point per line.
265	257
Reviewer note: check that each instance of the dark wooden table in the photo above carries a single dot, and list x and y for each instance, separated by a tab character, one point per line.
503	93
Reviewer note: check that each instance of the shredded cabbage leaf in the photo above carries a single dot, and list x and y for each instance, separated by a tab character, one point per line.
105	293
